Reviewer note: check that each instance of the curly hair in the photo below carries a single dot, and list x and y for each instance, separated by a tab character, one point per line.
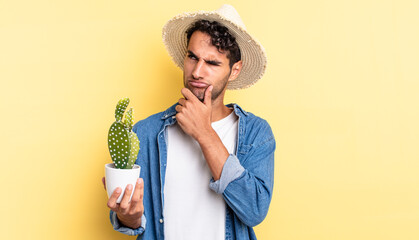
220	38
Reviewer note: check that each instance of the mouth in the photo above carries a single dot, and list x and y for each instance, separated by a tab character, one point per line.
197	84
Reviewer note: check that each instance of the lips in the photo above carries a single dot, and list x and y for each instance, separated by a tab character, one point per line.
198	84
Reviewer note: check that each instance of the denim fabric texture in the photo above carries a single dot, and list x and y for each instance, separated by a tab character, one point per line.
246	181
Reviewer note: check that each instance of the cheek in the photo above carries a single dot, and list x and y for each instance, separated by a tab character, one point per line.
187	67
222	75
216	72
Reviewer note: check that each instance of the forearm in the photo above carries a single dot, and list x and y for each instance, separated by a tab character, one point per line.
214	151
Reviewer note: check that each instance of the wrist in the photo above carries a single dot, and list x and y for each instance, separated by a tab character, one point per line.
134	224
206	136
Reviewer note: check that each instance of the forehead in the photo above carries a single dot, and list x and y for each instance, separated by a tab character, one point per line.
200	44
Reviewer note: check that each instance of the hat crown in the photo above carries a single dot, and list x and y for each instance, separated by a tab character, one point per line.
230	13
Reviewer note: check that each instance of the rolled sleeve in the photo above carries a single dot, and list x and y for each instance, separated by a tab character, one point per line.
232	170
125	230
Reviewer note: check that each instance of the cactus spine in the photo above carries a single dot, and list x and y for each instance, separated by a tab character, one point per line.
123	143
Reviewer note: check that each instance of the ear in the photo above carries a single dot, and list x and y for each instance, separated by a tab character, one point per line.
235	70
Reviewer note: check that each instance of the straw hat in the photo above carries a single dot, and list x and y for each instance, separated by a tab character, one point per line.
252	53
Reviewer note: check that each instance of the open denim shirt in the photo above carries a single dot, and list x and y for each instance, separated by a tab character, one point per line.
246	181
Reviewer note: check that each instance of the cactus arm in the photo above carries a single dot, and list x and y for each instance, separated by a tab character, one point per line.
120	109
135	148
129	120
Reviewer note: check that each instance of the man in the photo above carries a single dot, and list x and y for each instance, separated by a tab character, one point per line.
206	168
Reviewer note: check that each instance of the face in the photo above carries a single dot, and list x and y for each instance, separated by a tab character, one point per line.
204	65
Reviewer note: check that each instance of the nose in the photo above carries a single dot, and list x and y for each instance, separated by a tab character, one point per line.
198	69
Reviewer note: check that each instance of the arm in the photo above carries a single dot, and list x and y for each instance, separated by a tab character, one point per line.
194	117
247	184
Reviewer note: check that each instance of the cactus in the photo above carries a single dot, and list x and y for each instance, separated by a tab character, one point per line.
123	143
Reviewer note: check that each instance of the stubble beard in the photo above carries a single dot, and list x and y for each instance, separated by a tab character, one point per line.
216	92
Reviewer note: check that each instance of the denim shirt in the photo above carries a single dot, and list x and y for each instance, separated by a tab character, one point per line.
246	181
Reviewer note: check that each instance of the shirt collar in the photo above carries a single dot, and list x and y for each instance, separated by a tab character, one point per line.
171	111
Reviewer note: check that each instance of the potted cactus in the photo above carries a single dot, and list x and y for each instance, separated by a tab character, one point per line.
123	145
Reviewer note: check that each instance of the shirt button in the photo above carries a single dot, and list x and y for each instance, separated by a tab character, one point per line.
161	220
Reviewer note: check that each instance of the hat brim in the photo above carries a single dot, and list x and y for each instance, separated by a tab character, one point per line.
253	55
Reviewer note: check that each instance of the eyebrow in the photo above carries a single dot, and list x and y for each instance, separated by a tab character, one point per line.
207	61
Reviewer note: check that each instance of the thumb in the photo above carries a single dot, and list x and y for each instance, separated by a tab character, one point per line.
208	95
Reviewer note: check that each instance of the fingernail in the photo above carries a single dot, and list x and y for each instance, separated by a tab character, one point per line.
118	190
129	187
139	180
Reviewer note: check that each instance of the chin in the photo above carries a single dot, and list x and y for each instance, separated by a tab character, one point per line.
198	93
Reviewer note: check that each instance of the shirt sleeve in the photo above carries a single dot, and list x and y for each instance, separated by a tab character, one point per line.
232	169
126	230
247	178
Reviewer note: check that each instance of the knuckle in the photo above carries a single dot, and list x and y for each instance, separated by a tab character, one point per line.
115	194
135	200
111	205
123	206
128	190
123	212
134	212
140	211
127	193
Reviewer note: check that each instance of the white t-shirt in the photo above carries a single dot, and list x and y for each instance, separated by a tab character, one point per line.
191	209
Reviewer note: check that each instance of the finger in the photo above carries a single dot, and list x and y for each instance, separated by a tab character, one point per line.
182	101
141	190
124	205
112	200
137	196
188	94
178	108
104	182
180	119
208	95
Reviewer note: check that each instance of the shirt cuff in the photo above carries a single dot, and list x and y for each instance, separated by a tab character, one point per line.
117	225
232	170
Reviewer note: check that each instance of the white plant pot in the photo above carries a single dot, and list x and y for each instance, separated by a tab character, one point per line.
116	177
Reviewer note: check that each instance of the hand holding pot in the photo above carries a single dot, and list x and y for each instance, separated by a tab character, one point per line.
129	212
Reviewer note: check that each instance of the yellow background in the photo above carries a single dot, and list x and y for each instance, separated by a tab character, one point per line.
340	92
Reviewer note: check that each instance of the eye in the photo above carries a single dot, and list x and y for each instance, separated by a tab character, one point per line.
192	57
213	63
